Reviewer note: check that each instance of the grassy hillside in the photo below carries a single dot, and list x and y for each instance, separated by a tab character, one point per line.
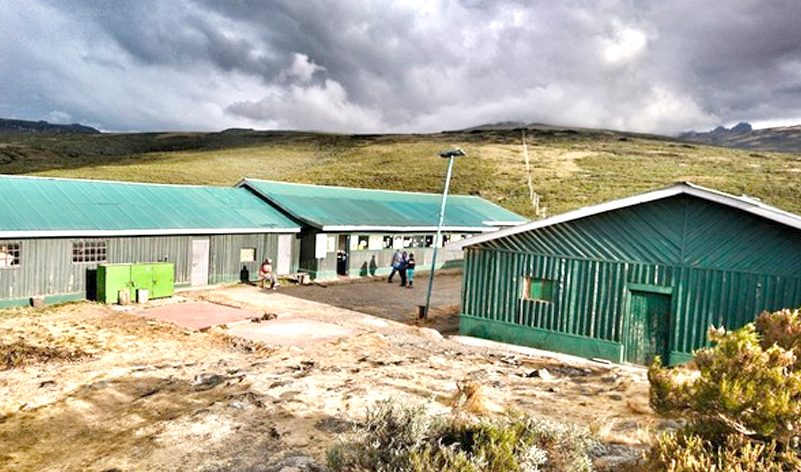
570	168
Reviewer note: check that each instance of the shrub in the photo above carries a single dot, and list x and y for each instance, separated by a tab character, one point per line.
398	439
742	404
691	453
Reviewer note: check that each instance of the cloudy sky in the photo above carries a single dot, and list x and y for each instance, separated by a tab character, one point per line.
400	65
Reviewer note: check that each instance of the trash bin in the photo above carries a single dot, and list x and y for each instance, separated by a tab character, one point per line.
124	297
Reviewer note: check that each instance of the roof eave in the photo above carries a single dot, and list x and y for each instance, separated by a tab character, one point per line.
91	233
405	229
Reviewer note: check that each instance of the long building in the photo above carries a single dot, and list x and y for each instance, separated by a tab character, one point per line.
55	232
354	232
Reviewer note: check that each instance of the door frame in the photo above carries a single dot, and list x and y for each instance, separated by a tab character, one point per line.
194	279
647	288
283	256
343	245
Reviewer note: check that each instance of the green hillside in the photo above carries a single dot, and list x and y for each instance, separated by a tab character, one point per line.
569	168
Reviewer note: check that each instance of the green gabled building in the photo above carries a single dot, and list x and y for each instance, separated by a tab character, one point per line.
54	233
633	278
354	232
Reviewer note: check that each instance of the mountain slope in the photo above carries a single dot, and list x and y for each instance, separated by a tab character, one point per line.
569	168
784	139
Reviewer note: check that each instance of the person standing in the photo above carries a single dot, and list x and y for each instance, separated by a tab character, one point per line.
266	273
410	270
397	260
402	268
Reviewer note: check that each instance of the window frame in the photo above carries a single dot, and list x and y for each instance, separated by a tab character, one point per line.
89	251
14	249
539	289
246	250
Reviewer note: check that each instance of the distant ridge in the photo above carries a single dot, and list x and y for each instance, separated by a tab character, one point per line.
21	126
742	136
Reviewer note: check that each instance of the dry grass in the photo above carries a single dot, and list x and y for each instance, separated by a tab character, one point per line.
20	354
469	397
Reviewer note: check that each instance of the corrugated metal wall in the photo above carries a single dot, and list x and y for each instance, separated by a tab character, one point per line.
724	267
589	295
225	265
46	266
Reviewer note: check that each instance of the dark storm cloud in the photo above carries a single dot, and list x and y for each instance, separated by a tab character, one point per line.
415	65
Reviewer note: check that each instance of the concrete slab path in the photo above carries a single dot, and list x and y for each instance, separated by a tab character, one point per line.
199	315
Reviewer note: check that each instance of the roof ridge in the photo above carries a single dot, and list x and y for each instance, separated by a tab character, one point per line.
104	181
357	188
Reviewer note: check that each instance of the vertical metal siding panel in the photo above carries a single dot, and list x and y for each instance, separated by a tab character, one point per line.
512	280
592	326
503	283
474	289
481	284
491	293
492	288
479	275
467	288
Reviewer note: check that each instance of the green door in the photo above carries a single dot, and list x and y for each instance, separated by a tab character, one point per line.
649	327
157	279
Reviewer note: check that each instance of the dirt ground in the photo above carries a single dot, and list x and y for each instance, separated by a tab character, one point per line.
99	388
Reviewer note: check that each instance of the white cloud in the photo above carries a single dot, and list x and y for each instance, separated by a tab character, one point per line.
303	68
314	107
626	43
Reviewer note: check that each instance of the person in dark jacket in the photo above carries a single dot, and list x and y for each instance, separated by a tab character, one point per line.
410	263
397	262
402	268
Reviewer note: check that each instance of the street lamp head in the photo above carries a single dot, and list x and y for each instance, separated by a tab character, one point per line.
452	153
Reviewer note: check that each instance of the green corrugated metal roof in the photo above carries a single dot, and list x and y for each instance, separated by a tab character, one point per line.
745	204
36	206
346	209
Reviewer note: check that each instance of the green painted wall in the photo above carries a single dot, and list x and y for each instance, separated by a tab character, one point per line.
541	339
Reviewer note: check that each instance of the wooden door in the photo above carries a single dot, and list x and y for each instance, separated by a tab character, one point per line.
648	327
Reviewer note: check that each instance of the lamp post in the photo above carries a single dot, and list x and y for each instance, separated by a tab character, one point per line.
449	154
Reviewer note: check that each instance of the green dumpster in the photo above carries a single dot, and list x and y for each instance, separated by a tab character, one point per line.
157	278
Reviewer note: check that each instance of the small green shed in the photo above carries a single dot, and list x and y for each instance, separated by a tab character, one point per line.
354	232
633	278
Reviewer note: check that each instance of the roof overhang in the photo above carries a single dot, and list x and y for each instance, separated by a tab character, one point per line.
405	229
684	188
138	232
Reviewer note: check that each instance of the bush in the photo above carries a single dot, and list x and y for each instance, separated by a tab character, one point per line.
403	439
742	403
691	453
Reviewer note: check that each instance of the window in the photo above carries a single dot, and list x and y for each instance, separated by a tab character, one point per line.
88	251
363	242
387	242
330	243
247	254
9	254
376	243
537	289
